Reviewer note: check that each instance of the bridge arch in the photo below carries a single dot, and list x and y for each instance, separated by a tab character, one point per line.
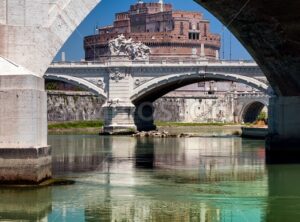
80	82
268	30
156	88
250	111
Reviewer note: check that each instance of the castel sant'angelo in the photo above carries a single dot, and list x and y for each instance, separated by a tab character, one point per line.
167	32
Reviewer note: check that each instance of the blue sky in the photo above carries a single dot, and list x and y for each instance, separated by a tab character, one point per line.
103	14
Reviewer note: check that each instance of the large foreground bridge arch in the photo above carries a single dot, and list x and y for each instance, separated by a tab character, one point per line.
156	88
269	30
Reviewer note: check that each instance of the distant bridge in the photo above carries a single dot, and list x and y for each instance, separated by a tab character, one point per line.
126	85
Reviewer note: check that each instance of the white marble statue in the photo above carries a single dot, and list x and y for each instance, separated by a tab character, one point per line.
121	46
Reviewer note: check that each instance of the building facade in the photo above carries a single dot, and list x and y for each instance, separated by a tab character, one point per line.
167	32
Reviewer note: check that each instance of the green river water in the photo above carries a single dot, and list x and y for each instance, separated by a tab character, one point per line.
159	179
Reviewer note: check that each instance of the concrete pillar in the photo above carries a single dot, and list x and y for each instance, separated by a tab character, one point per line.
282	145
25	156
119	110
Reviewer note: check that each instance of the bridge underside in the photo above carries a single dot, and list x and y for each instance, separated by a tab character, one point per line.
270	31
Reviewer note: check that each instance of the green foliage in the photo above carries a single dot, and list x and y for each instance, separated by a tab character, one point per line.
262	116
61	86
51	86
76	125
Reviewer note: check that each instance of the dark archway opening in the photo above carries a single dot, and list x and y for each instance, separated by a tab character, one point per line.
252	111
145	108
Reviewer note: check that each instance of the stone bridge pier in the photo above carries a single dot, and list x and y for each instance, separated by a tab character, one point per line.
31	33
25	156
119	110
283	141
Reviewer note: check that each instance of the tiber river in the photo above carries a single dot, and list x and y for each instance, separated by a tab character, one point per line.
162	179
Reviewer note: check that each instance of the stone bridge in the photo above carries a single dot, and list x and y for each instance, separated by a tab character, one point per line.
130	87
249	106
31	33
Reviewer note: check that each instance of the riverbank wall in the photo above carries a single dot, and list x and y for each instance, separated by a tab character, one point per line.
76	106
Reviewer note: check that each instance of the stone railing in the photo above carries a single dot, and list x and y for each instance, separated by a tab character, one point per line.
163	61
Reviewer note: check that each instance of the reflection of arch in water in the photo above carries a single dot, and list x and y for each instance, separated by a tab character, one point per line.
251	111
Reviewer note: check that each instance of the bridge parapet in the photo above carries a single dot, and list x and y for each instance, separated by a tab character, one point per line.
253	95
161	61
143	72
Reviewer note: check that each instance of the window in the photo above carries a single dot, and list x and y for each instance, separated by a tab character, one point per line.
194	36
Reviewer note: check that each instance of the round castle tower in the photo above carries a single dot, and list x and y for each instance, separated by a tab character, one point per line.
169	33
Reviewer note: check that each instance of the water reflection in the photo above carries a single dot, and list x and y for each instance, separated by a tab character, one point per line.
154	179
284	193
25	204
209	160
73	154
144	153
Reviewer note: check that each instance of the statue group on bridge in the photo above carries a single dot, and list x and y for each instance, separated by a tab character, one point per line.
121	46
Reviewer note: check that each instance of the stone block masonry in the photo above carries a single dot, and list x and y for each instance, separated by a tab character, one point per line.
24	154
73	106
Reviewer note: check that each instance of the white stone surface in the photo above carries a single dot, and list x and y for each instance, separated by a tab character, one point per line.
118	109
32	31
10	68
23	112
